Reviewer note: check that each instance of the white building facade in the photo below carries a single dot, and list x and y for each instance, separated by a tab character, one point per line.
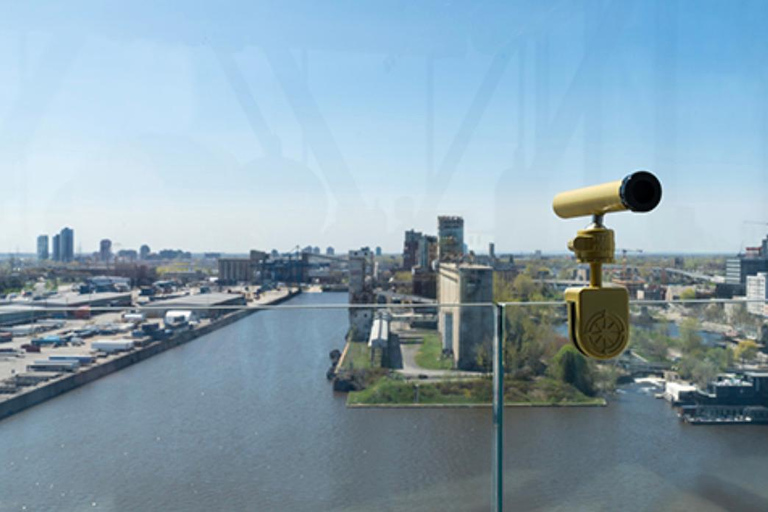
756	291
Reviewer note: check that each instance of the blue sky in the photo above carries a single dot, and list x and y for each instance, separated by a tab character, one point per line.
237	125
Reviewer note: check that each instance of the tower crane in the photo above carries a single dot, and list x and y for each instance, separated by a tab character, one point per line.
624	274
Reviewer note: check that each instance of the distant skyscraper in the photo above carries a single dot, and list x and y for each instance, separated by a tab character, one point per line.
427	251
42	247
330	251
144	252
410	248
105	249
67	244
450	235
316	250
492	250
378	251
56	248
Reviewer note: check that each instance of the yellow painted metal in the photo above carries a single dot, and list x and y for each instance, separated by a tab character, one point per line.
598	316
594	200
593	245
598	320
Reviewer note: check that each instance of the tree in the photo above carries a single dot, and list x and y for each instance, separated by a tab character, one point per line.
484	359
746	351
688	294
524	287
722	358
714	313
690	340
570	366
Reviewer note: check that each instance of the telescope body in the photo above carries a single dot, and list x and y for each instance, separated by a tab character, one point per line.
638	192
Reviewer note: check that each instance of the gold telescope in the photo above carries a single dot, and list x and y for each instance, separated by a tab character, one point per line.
598	315
638	192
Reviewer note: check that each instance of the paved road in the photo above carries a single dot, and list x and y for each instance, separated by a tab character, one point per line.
412	370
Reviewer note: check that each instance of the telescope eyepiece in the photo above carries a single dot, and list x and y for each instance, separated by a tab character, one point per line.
640	191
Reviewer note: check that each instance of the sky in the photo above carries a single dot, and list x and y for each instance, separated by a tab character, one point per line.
226	126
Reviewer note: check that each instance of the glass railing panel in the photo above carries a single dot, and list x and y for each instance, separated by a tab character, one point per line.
630	440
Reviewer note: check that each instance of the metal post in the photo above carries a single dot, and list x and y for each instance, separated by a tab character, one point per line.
498	410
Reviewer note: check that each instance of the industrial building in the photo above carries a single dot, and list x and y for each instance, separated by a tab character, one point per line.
424	282
464	330
203	304
360	292
12	314
76	300
235	270
379	337
260	268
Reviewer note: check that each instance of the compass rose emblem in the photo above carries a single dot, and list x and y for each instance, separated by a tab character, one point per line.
605	333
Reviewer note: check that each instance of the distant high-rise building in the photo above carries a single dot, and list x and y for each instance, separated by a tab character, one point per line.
757	291
753	261
410	248
378	251
56	247
144	252
427	251
315	250
67	244
42	247
492	250
329	251
105	249
450	235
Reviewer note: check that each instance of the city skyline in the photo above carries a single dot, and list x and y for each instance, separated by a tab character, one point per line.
187	137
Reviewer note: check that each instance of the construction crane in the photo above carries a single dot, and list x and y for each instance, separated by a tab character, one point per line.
757	222
624	274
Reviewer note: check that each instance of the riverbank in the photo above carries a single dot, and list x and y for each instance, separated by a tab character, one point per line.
59	385
541	392
598	402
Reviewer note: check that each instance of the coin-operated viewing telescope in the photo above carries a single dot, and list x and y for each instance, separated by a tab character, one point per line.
598	316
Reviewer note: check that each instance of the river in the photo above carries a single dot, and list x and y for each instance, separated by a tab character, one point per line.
243	419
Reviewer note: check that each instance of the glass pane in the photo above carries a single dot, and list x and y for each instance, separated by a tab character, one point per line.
270	411
635	421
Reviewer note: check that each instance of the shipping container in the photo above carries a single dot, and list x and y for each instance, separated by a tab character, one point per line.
110	346
82	359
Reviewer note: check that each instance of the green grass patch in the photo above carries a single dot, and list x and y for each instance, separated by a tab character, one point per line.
541	391
430	355
358	356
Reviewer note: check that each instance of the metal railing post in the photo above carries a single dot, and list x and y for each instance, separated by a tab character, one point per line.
498	410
